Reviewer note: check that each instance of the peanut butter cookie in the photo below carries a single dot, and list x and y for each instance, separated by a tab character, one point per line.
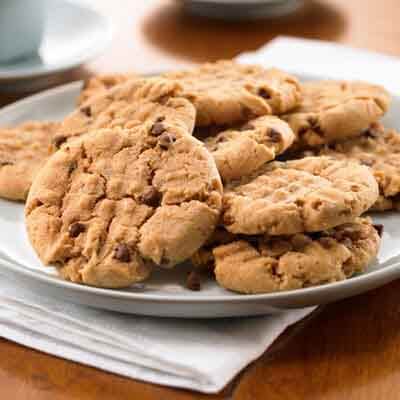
262	264
226	92
100	84
127	105
109	206
241	151
23	151
379	149
335	110
307	195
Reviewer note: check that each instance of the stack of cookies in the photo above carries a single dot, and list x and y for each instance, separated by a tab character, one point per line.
251	175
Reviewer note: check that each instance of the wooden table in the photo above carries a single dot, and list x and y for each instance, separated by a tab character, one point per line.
348	350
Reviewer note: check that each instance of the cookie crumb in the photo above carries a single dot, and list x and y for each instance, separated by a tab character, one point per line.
379	228
193	281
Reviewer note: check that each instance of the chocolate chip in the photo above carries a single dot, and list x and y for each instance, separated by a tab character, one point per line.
246	127
122	253
166	140
59	140
157	129
3	163
379	229
87	111
76	229
264	94
274	136
151	197
72	167
193	281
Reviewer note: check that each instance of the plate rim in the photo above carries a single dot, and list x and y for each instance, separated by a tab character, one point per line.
99	46
386	273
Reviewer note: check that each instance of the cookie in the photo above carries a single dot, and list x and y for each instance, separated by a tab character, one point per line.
241	151
307	195
268	264
128	105
23	151
226	92
108	207
336	110
379	149
100	84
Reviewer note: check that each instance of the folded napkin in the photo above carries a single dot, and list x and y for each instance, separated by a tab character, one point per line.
327	60
201	355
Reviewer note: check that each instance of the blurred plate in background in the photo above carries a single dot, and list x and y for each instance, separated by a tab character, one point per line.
241	9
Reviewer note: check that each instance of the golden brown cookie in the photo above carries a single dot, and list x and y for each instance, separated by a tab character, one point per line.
379	149
23	151
336	110
128	105
99	84
108	206
226	92
306	195
264	264
240	151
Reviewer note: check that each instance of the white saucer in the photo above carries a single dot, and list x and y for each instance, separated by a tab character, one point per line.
165	293
73	35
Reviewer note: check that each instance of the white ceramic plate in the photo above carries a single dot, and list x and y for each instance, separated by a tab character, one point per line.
164	294
73	34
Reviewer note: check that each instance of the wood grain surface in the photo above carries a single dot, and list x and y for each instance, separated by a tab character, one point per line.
348	350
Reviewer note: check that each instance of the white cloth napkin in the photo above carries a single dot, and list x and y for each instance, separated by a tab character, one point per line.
201	355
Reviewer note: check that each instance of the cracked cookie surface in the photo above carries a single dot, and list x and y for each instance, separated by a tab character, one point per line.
226	92
108	207
262	264
336	110
306	195
99	84
23	151
379	149
239	152
128	105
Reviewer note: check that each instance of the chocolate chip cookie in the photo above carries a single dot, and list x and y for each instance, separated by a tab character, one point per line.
241	151
109	206
262	264
307	195
23	151
100	84
226	92
127	105
335	110
379	149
